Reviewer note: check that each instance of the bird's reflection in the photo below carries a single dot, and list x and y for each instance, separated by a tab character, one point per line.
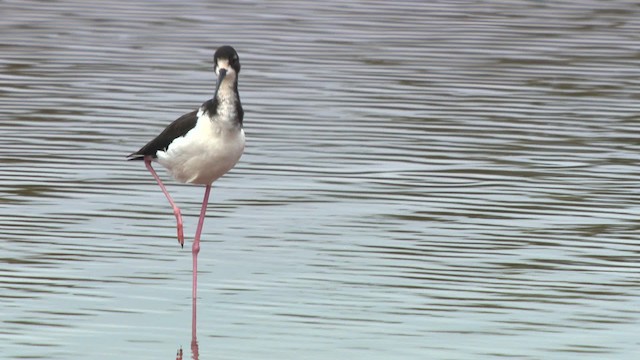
195	355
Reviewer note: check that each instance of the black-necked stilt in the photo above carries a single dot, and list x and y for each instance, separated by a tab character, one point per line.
201	146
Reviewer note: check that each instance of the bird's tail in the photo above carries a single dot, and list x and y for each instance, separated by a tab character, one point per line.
135	156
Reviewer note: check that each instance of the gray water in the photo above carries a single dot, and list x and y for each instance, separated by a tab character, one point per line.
453	180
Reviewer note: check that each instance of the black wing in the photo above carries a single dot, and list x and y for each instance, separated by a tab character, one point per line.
180	127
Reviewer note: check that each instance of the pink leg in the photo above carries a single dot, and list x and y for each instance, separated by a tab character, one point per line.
176	209
195	250
194	337
196	242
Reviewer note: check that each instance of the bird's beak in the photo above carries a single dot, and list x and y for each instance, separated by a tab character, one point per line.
221	74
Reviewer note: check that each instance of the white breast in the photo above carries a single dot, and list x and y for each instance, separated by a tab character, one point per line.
206	152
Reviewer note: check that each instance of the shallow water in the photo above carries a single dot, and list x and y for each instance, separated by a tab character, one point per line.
441	181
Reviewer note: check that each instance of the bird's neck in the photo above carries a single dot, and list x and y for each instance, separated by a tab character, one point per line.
228	92
226	107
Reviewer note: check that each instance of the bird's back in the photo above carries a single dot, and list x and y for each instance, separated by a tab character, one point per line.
178	128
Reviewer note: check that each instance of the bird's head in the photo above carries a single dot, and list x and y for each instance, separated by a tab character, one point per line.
226	65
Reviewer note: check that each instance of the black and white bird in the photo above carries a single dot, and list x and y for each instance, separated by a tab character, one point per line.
201	146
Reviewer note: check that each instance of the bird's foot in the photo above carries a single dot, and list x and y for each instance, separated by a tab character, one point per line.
180	236
179	226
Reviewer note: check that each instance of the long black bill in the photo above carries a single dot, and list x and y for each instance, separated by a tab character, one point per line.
221	74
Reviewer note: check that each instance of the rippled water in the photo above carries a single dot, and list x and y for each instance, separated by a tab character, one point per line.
422	181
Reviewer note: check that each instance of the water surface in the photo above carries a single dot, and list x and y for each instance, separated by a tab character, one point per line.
421	181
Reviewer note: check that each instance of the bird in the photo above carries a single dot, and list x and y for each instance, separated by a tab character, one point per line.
201	146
